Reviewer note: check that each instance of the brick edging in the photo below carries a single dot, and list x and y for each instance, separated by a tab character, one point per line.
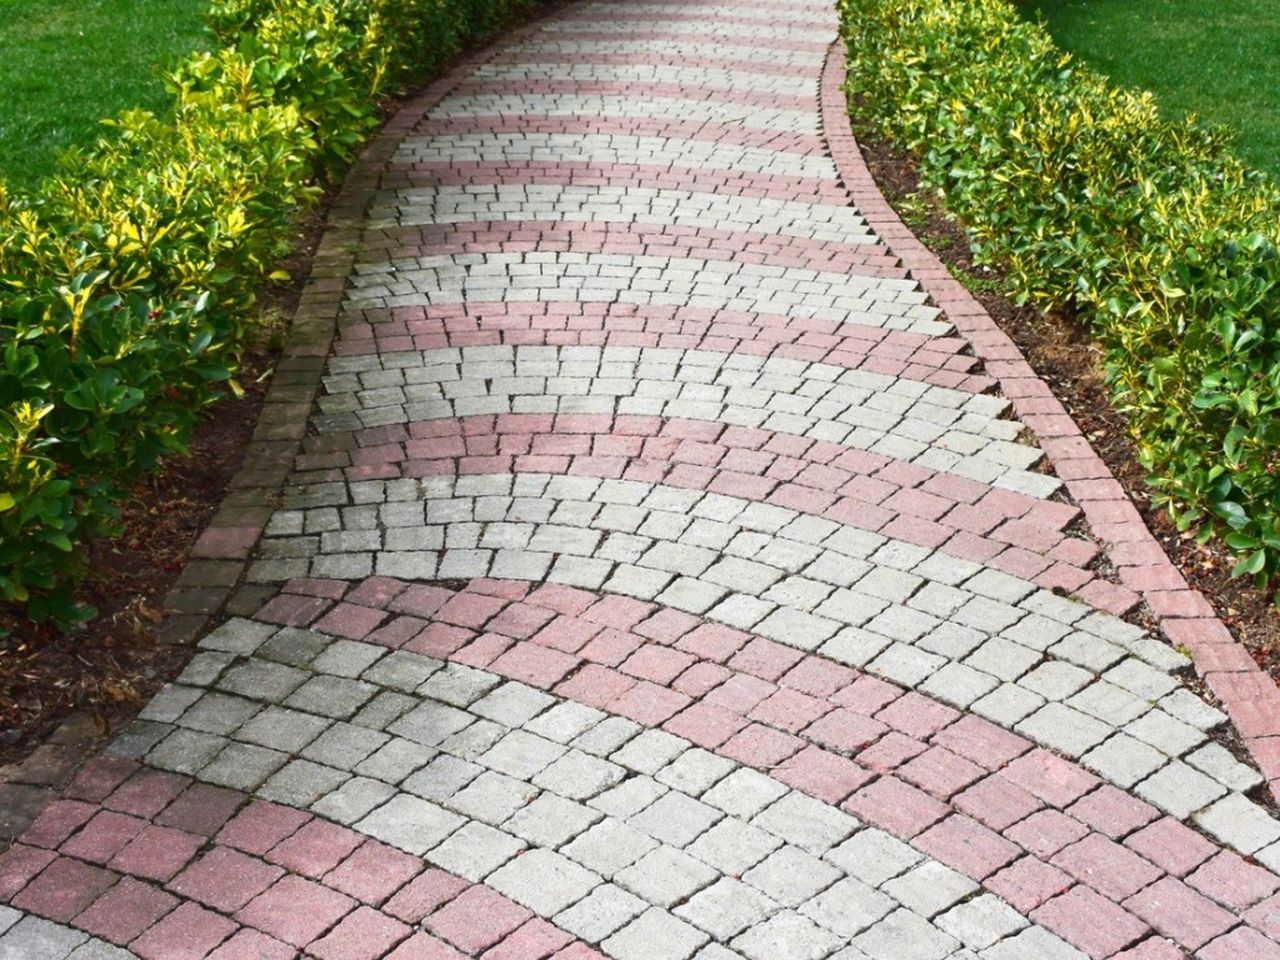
1187	620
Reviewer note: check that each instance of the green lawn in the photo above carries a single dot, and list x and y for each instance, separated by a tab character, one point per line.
66	64
1219	59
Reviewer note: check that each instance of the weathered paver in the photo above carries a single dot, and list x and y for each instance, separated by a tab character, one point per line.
664	574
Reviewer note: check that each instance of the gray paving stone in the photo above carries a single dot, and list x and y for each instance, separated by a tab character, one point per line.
261	680
602	912
676	819
786	934
726	908
301	783
1236	820
238	635
171	702
1217	762
733	847
431	723
1032	942
848	907
294	647
744	793
242	766
665	876
512	704
474	741
981	922
475	850
808	823
650	752
492	797
330	696
791	876
353	800
410	824
401	670
579	775
94	949
903	935
930	888
344	745
280	728
1167	734
873	856
1058	726
1124	761
609	847
565	721
32	938
695	771
544	881
186	751
442	777
629	797
655	935
1180	790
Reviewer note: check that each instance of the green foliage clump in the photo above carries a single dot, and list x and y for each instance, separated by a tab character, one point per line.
1088	197
126	282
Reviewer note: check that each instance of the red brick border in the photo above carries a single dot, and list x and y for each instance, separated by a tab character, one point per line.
1249	695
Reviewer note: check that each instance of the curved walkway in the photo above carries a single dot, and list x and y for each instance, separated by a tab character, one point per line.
671	567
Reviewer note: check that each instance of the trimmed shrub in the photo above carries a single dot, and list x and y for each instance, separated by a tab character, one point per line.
1087	197
127	281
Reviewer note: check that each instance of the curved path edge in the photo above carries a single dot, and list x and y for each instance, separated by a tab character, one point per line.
212	583
1187	620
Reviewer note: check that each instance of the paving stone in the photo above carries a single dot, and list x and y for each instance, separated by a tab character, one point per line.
410	824
676	819
1179	789
786	934
791	876
903	935
873	857
806	822
655	934
610	846
929	888
543	881
981	922
726	908
475	850
604	911
848	907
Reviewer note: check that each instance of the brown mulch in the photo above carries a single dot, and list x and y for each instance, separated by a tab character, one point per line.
1058	345
117	661
112	665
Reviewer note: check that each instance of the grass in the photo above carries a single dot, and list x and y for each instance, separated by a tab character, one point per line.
66	64
1214	58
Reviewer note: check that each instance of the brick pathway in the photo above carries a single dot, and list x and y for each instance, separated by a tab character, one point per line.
665	573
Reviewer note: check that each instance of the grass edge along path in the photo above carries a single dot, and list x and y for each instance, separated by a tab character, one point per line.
64	65
1215	59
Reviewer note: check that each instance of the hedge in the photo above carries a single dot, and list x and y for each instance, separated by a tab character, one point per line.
128	281
1088	197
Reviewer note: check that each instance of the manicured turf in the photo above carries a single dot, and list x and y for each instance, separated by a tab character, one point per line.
1215	58
66	64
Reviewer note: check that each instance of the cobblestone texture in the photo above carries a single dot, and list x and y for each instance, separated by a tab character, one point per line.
660	575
